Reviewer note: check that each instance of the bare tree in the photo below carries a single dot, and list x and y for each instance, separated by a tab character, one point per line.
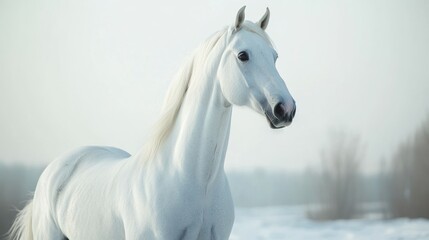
338	183
408	179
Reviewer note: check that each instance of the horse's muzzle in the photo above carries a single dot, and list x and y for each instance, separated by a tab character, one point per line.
281	116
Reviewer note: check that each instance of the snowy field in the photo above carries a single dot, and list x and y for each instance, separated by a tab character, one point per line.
289	223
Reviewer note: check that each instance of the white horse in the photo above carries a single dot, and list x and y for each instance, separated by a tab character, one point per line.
176	187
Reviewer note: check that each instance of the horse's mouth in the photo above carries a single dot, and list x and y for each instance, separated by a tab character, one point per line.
272	123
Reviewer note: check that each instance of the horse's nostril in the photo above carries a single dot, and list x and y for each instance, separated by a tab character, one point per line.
280	111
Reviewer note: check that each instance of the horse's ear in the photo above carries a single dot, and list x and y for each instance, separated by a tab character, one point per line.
263	23
240	18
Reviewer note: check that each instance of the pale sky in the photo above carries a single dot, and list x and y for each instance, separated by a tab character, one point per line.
94	72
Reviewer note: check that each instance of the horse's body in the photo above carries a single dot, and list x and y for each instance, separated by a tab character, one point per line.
175	188
180	207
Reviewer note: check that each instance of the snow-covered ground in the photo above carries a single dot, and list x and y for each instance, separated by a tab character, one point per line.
275	223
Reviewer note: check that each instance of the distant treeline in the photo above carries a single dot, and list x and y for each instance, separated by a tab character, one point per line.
261	188
17	183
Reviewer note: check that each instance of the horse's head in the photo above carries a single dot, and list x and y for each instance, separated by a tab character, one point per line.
248	75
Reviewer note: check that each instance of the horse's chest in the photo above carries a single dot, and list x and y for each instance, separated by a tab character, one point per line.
196	212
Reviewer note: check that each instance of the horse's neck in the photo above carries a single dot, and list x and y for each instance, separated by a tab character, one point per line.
197	144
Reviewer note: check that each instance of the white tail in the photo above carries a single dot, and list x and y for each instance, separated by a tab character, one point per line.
21	229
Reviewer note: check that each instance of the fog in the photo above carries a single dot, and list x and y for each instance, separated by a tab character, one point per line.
94	73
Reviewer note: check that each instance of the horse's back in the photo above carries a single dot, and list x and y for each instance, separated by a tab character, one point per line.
55	183
58	173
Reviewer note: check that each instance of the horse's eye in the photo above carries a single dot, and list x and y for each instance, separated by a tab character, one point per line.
243	56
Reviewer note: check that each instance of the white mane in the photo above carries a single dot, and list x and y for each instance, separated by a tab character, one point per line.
177	92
